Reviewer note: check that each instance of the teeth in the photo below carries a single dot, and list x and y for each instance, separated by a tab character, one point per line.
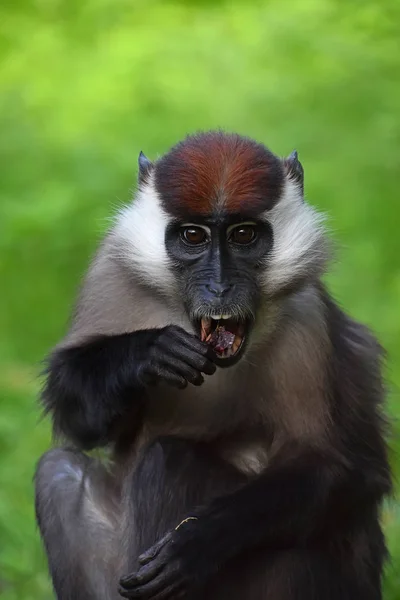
205	327
219	317
206	322
236	344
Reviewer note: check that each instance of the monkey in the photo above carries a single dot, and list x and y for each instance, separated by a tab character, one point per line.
241	409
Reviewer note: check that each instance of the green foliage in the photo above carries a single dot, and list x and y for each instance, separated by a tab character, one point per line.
84	86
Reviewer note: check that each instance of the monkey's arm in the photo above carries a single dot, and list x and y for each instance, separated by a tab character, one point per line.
92	385
295	501
311	495
88	386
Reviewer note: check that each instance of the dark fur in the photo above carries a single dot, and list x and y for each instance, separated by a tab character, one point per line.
90	387
319	550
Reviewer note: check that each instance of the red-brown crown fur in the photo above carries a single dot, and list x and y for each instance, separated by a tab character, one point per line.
216	172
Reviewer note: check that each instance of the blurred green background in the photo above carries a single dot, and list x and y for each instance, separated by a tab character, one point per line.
85	85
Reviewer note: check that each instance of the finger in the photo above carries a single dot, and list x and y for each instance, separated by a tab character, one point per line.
188	339
175	591
172	592
183	369
144	575
162	587
168	376
194	359
152	552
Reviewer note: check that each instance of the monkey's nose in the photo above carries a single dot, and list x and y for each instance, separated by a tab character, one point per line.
218	289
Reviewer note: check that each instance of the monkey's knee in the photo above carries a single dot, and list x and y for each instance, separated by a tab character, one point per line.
58	477
59	468
61	463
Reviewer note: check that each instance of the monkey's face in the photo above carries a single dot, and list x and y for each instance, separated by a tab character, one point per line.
220	227
217	264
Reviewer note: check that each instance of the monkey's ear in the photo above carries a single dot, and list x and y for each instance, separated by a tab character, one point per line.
294	168
145	167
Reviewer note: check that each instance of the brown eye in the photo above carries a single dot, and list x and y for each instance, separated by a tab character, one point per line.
194	235
244	234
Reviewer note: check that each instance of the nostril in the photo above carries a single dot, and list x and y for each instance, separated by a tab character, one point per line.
218	289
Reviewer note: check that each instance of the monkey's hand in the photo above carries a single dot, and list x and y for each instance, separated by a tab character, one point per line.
175	357
176	566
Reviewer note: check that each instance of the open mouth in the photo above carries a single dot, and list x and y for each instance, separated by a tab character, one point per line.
225	335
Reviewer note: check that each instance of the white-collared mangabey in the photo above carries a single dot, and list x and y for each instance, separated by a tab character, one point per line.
242	406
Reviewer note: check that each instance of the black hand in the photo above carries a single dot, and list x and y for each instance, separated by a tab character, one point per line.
177	358
171	569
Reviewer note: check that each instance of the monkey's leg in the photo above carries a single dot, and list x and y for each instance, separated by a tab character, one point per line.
78	513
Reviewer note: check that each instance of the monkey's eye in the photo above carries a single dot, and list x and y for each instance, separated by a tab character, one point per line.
243	235
193	235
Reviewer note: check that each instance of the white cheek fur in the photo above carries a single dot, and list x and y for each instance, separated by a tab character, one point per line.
139	234
300	246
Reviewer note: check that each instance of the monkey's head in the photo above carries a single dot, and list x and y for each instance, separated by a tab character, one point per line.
220	226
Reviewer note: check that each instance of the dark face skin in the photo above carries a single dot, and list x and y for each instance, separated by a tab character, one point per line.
217	261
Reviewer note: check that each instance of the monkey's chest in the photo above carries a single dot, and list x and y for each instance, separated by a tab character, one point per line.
203	412
189	416
228	419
